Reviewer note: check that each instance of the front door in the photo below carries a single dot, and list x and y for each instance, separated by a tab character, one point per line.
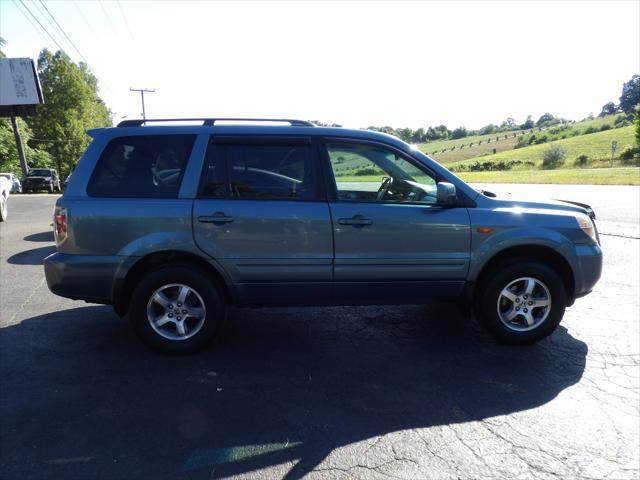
391	236
258	215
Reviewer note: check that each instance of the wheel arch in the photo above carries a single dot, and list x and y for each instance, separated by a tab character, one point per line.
123	288
543	254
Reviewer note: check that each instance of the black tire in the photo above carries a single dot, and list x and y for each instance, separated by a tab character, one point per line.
192	277
4	212
489	296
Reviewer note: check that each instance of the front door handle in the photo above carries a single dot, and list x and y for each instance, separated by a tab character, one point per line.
217	218
356	221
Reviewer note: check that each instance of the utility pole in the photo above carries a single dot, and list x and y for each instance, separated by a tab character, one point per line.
16	133
142	92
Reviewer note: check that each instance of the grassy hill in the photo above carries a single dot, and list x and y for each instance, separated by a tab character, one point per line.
596	146
480	145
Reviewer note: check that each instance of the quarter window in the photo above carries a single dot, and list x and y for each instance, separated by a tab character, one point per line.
146	166
370	173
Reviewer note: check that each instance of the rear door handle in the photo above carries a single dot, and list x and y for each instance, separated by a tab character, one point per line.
356	221
218	218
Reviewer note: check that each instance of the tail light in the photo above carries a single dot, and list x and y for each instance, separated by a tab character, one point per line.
60	224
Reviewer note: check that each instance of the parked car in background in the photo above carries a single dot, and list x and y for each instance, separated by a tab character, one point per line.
42	179
16	186
5	190
169	224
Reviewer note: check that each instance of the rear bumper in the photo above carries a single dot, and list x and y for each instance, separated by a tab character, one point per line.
81	277
589	259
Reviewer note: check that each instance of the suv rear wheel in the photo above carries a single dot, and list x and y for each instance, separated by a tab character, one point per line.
176	309
522	302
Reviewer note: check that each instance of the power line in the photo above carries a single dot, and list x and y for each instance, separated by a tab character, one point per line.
46	41
37	10
41	26
62	30
124	17
67	36
108	17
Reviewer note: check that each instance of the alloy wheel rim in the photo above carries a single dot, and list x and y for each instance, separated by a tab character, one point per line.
176	311
524	304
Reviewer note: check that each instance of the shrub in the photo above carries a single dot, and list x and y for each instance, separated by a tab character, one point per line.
605	126
621	121
542	139
366	171
589	130
630	156
553	157
521	142
581	161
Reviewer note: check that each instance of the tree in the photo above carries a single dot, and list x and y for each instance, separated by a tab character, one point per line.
459	132
608	109
9	160
528	124
509	124
545	119
72	106
638	126
487	129
630	97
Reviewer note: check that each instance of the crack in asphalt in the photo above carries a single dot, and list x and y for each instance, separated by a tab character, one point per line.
24	304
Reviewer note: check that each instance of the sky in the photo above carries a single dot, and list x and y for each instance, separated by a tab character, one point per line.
403	64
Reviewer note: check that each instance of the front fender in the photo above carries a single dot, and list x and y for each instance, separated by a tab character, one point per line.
485	248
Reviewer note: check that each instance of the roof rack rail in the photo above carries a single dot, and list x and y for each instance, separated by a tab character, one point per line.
211	121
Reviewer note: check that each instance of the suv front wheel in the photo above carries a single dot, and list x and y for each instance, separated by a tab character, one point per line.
175	309
522	302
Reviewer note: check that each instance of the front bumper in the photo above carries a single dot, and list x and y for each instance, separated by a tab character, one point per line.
589	259
81	277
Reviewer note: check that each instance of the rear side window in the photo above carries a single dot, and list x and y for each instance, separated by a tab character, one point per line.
259	172
146	166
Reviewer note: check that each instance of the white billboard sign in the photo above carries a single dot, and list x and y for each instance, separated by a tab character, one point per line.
19	84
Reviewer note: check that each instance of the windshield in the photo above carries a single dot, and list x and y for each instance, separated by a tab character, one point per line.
39	172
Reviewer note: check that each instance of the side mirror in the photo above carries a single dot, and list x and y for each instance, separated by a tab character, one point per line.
446	193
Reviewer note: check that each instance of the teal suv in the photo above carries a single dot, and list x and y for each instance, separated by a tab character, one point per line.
172	221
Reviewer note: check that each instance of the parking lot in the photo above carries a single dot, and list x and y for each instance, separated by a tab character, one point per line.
341	392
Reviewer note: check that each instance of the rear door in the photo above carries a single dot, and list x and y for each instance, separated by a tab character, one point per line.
259	214
392	238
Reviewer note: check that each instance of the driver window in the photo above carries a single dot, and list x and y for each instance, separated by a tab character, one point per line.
365	173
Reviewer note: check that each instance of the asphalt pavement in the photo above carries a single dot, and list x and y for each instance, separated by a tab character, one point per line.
320	393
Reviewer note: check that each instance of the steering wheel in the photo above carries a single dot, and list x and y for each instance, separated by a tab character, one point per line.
384	188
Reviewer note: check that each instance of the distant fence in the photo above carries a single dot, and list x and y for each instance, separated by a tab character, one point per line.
497	138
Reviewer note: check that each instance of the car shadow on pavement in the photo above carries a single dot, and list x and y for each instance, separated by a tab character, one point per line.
34	256
82	395
40	237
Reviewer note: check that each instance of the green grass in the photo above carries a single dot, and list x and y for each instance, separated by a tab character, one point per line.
597	146
580	176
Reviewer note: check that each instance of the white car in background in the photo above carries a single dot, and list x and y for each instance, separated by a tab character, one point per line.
5	190
16	186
